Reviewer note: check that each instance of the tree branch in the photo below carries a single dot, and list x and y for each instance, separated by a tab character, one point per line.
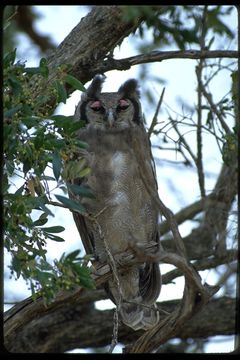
157	56
47	334
86	50
87	45
25	21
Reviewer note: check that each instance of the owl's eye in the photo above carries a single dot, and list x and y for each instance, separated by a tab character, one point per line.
96	105
122	105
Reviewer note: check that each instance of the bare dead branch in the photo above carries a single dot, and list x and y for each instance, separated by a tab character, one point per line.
157	56
203	264
189	212
214	108
155	117
199	73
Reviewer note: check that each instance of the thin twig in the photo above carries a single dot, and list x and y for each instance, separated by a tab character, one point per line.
199	72
182	140
214	108
155	117
113	267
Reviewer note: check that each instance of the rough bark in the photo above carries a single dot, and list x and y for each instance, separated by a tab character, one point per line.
88	44
68	325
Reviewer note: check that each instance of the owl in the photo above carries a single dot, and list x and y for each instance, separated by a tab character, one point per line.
122	171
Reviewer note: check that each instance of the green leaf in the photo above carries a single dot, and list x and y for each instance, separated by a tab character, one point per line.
81	190
31	121
44	265
16	265
81	144
43	62
9	58
72	255
19	191
40	203
61	91
33	70
26	166
41	221
15	84
54	237
71	204
52	143
75	126
85	277
84	172
62	120
53	229
44	68
9	113
57	164
75	83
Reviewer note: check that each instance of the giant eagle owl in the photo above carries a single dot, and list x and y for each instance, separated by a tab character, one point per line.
122	171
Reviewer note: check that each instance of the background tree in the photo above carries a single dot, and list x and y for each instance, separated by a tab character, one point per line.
35	139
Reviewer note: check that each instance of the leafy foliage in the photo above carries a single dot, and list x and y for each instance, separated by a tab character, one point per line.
37	143
178	25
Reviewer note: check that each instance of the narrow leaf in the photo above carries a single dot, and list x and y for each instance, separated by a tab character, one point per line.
71	256
75	83
9	58
57	165
53	229
61	91
42	220
71	204
55	238
81	190
84	172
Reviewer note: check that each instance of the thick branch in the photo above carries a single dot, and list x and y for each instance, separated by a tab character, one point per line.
28	313
156	56
88	44
47	334
86	50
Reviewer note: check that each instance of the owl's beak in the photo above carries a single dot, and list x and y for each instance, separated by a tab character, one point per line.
110	118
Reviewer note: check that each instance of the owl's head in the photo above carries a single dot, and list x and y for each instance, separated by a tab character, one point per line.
110	110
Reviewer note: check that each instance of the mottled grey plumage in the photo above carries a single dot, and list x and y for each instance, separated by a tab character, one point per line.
118	149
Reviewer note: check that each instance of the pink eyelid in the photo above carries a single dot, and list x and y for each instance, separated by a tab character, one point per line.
123	102
96	104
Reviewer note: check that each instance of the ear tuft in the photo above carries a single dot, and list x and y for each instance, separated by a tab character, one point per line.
95	87
129	89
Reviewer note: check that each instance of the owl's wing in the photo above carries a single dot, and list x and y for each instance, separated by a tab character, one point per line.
149	276
144	158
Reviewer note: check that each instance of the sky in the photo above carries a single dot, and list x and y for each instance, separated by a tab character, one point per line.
173	181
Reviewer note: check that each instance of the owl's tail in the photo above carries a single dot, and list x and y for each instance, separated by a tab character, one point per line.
140	288
139	316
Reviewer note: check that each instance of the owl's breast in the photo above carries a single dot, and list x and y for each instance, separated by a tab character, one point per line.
123	206
119	165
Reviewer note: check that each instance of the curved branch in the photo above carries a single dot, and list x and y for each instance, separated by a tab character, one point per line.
25	21
157	56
